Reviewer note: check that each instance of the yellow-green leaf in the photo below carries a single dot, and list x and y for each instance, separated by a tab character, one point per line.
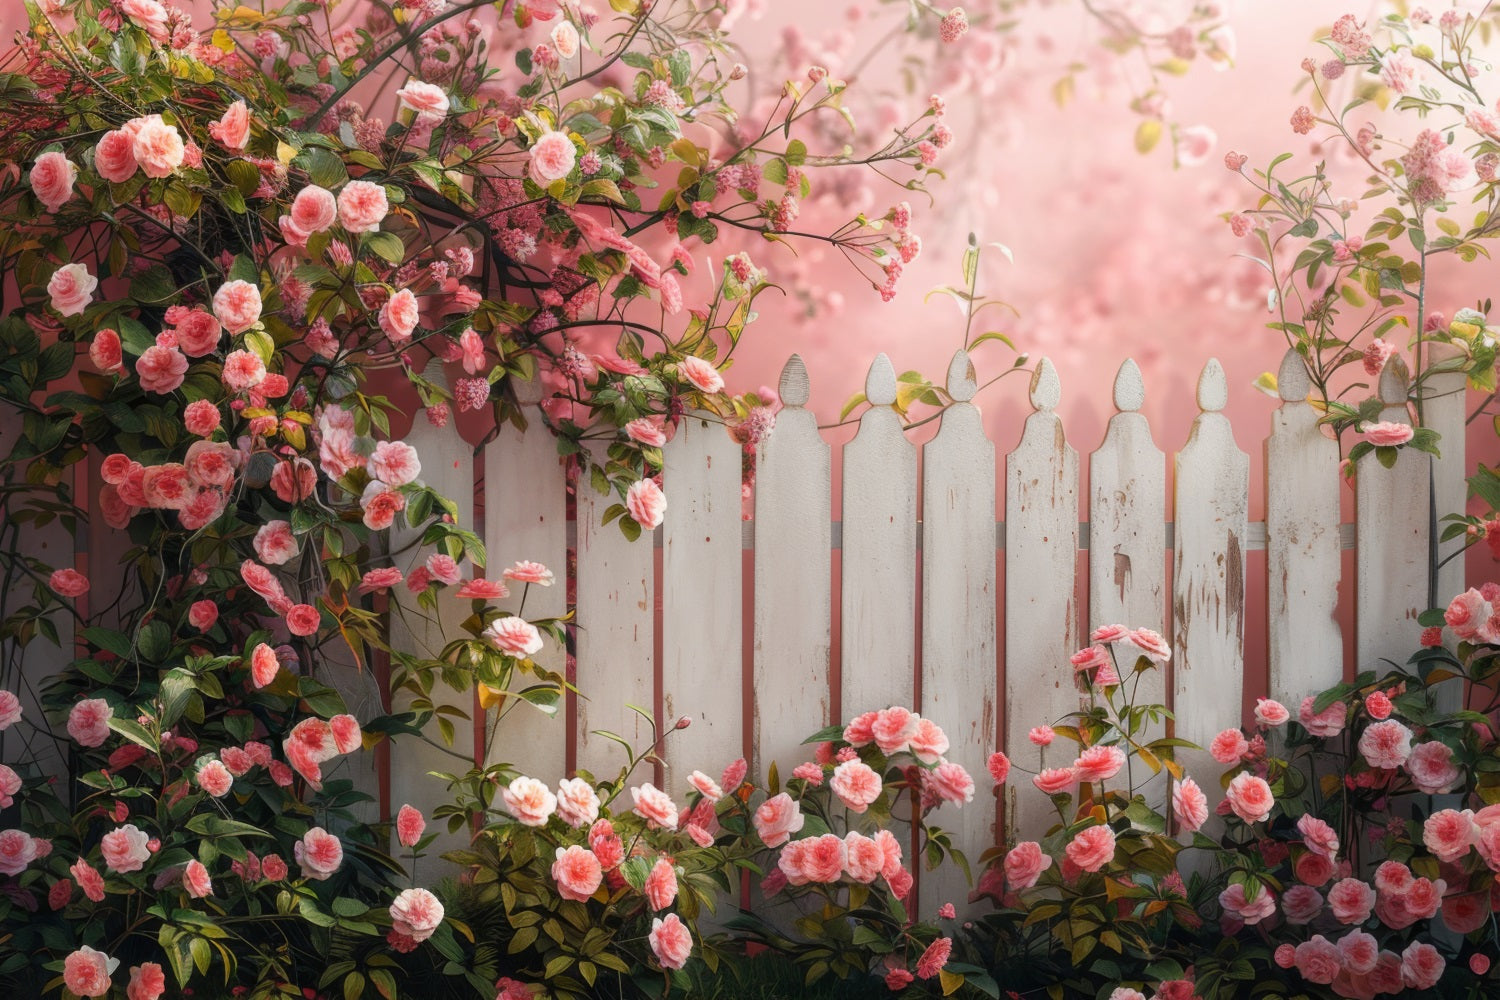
1147	135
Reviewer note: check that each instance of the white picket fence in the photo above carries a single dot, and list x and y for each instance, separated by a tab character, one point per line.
964	651
964	654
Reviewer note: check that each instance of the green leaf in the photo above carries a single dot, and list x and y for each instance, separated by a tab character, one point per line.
154	640
387	246
796	153
135	733
324	168
104	638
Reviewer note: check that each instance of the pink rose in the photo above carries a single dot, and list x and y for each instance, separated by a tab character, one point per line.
655	806
1318	960
1270	713
856	785
1449	834
1329	722
409	826
379	579
1358	951
86	972
702	374
1319	837
10	784
347	736
52	180
1432	769
1024	864
1042	736
314	209
264	666
529	801
201	418
999	767
399	315
480	589
10	709
893	729
395	463
215	779
552	158
114	157
1300	904
105	351
864	858
303	619
1313	869
362	206
950	782
427	100
158	147
1189	803
416	913
243	371
647	503
381	505
661	885
1092	848
1421	966
706	786
777	819
1055	779
1385	744
71	289
232	130
196	880
149	14
319	853
512	635
274	543
198	333
68	583
1099	763
647	431
88	722
147	982
1467	613
1152	644
1250	798
124	849
237	306
1388	433
822	858
1237	902
271	866
17	850
1351	901
929	742
577	802
671	942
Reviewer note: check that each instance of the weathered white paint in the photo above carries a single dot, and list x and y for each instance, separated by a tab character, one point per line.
792	568
878	571
1303	560
1127	528
1041	614
702	581
525	518
616	590
958	617
1212	504
1391	520
1443	410
448	469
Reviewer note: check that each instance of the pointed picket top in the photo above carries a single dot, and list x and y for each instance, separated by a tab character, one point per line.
962	380
880	384
1046	390
1292	383
1394	378
1213	388
795	389
528	391
1130	389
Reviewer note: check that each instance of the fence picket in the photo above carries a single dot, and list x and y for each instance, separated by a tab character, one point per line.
1041	615
1445	411
1303	561
702	581
1212	506
616	655
1127	527
878	626
415	630
792	566
525	518
1392	531
958	614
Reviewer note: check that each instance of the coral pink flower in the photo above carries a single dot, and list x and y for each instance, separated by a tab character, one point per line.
1089	658
671	942
647	431
303	619
701	374
382	578
897	980
399	315
442	568
409	825
861	730
10	784
319	853
105	351
90	882
71	289
999	767
68	583
530	572
427	100
950	782
1152	644
1351	901
1270	713
655	806
856	784
273	868
1189	804
552	158
275	544
647	503
1092	848
577	802
201	418
1024	864
86	972
864	858
237	306
929	742
381	506
125	849
1432	769
147	982
893	729
1358	951
158	147
52	178
706	786
243	371
362	206
1329	722
1042	736
264	666
480	589
416	913
215	779
1300	904
232	130
314	209
195	879
777	819
114	157
1388	433
1313	869
1378	704
1386	744
17	850
1236	901
10	709
1421	966
529	801
512	635
88	722
1449	834
1099	763
934	958
661	885
347	736
1250	798
1318	960
1319	837
1055	779
1467	613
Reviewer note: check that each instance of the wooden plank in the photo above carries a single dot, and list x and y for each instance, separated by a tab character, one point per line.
1444	411
958	618
878	625
1391	524
702	609
792	569
1212	504
616	658
448	468
526	518
1127	527
1303	561
1041	615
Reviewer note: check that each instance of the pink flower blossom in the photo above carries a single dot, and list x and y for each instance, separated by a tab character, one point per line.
215	779
1055	779
125	849
1270	713
671	942
303	619
935	956
1189	804
362	206
1099	763
52	178
399	315
1329	722
196	881
1300	904
114	157
68	583
1449	834
232	130
529	801
483	590
530	572
1152	644
647	503
1421	966
1388	433
660	889
17	850
1041	735
514	636
552	158
701	374
999	767
158	147
1250	798
86	972
319	853
1318	960
416	913
577	802
1351	901
654	805
1385	744
777	819
147	982
1092	848
1318	836
88	722
275	544
1024	864
426	99
856	784
409	826
71	289
10	709
647	431
1431	768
